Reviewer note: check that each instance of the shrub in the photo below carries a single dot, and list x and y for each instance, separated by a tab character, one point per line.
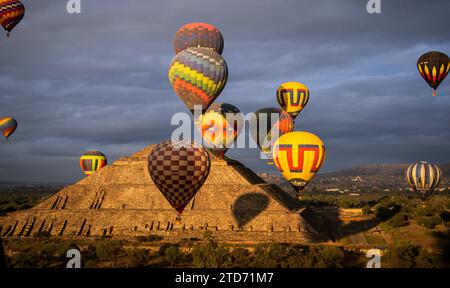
137	257
110	250
240	257
173	255
399	220
262	259
405	255
90	264
429	222
149	238
210	255
25	259
386	211
366	210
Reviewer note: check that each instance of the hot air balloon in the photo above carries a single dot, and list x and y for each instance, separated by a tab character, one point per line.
423	178
7	126
270	124
178	169
220	127
92	161
434	67
293	97
198	76
194	35
299	156
11	12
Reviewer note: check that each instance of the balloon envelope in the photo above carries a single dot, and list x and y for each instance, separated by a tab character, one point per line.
92	161
433	67
194	35
198	76
220	126
270	124
7	126
292	97
179	170
423	178
299	156
11	13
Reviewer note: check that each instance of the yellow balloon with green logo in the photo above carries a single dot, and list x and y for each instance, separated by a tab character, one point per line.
299	156
293	97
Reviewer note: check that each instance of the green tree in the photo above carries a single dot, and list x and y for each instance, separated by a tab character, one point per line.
110	250
137	257
210	254
173	255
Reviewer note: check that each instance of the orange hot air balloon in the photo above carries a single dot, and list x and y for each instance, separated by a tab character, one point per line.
220	126
11	13
7	126
293	97
299	156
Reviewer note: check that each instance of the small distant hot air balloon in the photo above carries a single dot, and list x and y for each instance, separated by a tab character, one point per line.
433	67
11	12
299	156
198	76
220	127
270	124
178	169
293	97
423	178
92	161
7	126
195	35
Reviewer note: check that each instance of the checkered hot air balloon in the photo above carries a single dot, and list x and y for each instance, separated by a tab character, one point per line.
194	35
198	76
434	67
7	126
267	126
220	126
11	13
92	161
423	178
179	170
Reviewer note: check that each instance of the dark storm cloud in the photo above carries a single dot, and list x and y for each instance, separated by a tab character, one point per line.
99	80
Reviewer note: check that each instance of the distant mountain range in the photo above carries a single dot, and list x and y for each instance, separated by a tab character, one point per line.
365	178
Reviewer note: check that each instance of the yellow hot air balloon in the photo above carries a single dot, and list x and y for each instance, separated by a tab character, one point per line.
299	155
293	97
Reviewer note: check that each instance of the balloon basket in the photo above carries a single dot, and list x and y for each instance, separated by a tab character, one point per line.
178	217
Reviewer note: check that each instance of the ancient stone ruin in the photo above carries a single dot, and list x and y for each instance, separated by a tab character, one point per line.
121	201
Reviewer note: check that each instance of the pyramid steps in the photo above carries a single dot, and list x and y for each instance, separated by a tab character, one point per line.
121	200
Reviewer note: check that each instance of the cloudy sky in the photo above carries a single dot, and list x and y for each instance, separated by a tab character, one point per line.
98	80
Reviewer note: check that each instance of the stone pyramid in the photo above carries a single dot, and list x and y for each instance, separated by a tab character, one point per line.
121	201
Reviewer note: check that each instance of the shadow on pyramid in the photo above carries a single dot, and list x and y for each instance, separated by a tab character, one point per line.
121	201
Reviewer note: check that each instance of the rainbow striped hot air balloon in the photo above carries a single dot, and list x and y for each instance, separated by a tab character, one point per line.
194	35
92	161
7	126
198	76
11	13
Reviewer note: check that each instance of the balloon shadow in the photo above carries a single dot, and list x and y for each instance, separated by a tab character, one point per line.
248	206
